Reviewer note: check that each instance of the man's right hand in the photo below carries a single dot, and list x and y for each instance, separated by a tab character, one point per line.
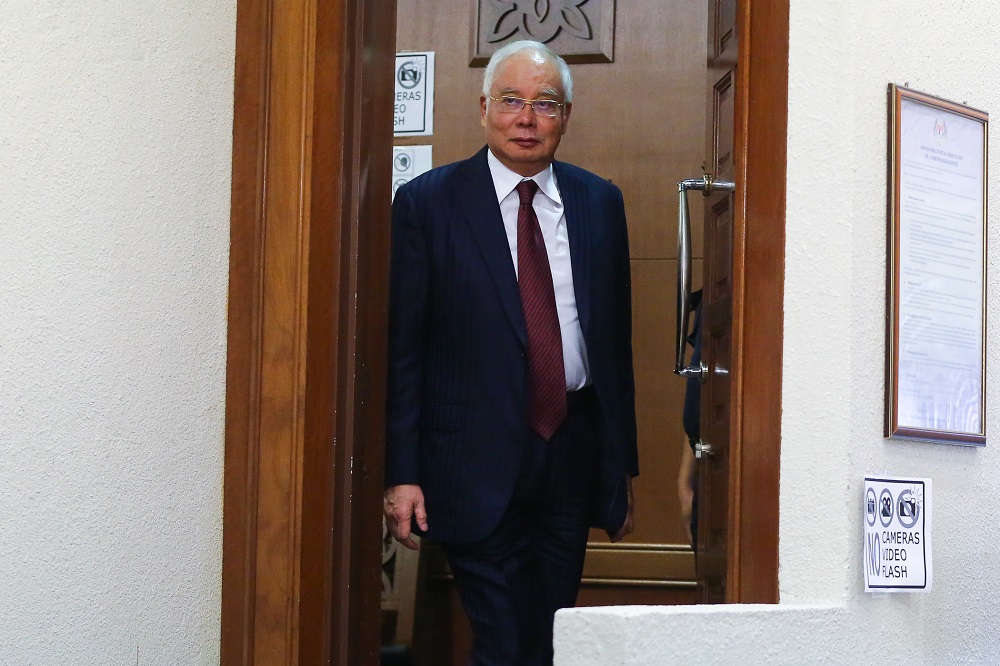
400	504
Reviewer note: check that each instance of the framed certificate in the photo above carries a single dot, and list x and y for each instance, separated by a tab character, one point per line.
936	296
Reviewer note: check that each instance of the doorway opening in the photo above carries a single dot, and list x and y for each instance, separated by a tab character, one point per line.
308	267
671	105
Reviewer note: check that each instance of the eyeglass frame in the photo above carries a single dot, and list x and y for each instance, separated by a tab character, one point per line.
530	102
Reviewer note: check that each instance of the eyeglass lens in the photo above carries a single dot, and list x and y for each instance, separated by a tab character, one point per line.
545	107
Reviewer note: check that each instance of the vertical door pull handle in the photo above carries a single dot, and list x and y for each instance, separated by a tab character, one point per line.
706	184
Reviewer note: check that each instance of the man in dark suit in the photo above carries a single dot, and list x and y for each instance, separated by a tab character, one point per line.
511	418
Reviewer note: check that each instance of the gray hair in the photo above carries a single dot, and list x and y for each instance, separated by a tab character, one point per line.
527	45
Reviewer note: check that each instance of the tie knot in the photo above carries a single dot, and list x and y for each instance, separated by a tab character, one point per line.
526	191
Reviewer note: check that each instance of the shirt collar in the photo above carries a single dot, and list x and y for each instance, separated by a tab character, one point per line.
505	180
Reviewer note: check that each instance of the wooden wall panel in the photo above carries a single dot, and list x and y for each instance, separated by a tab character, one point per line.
640	120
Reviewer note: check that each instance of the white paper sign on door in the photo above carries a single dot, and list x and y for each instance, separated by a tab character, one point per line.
408	162
413	111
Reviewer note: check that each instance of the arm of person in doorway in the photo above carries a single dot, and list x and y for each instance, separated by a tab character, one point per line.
629	523
686	478
687	474
408	286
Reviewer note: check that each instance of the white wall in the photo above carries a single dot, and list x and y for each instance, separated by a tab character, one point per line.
842	56
115	162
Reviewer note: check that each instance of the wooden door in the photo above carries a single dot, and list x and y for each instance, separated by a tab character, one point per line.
717	302
744	283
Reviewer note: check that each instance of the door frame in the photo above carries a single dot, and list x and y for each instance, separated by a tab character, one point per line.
758	301
309	246
308	300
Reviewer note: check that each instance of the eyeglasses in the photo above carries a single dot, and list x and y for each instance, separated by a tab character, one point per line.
543	107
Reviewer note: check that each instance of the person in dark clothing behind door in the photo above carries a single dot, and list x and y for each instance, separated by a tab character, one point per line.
687	477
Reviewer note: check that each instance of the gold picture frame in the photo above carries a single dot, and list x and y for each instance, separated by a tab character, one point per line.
936	277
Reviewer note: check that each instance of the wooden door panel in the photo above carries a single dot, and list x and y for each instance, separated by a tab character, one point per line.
723	16
441	29
719	245
717	307
718	361
723	124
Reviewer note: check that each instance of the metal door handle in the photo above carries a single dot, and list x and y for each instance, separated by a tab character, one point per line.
702	449
706	184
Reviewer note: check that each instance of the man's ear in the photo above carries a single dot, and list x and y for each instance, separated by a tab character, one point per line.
482	110
565	120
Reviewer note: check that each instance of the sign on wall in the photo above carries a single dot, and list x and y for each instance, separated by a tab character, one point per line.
936	337
897	535
413	113
408	162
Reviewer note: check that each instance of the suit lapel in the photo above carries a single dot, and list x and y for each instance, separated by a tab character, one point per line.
577	211
482	213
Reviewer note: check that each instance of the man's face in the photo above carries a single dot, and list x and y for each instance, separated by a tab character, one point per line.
524	142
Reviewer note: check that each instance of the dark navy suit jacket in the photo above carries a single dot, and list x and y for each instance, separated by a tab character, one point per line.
458	387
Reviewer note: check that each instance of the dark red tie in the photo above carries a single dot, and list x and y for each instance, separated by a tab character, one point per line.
546	373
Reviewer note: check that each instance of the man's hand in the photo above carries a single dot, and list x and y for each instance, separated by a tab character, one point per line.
629	523
400	504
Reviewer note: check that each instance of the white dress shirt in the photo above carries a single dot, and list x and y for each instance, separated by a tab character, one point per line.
552	220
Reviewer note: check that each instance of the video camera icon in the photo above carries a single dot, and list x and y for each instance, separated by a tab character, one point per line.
885	507
870	507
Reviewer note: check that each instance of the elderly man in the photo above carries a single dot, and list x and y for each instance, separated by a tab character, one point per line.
511	418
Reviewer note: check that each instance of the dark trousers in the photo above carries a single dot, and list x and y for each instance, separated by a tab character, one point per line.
513	582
